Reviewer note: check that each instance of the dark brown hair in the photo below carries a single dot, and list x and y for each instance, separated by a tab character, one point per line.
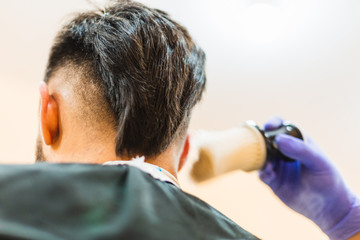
147	66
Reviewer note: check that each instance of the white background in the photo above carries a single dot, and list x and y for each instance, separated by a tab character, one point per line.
296	59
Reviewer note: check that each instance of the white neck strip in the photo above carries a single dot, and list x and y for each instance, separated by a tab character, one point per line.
154	171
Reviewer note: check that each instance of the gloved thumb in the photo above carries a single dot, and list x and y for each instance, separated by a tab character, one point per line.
299	150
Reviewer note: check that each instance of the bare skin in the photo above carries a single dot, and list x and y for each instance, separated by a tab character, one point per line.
62	131
355	237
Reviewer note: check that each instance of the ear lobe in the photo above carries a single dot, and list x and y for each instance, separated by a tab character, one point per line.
48	116
185	153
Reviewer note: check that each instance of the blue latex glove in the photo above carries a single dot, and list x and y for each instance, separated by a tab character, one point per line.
312	186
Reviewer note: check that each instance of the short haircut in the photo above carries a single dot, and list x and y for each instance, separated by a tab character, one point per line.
147	67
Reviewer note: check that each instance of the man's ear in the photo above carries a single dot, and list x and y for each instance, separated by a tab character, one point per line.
49	116
184	153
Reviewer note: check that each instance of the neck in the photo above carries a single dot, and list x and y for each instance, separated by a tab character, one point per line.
167	160
99	153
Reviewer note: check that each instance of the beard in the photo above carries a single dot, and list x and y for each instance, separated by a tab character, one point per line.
39	153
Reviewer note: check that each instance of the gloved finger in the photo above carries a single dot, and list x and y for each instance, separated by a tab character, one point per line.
299	150
267	174
273	123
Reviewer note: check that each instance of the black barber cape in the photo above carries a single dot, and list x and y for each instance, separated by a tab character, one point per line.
74	201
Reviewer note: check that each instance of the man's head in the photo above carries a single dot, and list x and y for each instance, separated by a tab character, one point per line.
127	77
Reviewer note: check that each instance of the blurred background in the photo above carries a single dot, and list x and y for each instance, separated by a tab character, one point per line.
295	59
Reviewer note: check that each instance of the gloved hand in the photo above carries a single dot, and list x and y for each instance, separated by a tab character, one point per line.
312	186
